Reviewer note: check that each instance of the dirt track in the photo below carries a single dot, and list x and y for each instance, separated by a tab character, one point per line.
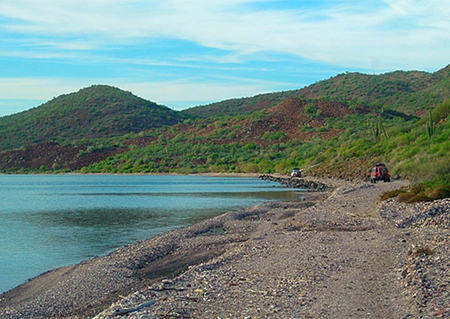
342	255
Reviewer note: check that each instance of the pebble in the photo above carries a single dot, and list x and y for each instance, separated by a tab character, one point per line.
288	260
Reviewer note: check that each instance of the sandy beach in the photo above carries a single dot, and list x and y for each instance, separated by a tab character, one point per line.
338	254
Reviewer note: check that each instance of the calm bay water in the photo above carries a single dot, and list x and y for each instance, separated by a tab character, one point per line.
49	221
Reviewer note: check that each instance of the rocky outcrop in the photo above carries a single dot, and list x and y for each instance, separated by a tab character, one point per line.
54	156
296	182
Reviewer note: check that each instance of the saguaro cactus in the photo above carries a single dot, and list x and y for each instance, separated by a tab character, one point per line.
431	125
376	127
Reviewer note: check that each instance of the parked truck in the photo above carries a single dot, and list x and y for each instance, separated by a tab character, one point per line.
380	173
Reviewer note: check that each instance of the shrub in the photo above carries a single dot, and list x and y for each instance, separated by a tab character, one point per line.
250	146
441	111
421	250
219	124
265	166
216	169
273	136
310	109
421	197
438	192
391	194
249	168
405	197
417	188
258	116
282	166
403	139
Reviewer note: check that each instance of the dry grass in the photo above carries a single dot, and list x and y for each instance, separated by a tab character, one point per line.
421	250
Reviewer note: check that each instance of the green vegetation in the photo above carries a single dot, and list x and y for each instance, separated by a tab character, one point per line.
241	106
431	126
98	111
440	112
421	192
359	120
403	91
377	128
406	149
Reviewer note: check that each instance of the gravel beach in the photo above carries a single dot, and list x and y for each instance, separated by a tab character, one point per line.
338	254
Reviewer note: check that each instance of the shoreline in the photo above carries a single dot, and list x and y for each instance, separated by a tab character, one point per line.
164	265
309	259
14	277
150	174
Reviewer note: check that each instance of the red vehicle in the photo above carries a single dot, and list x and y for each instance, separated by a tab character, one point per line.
380	173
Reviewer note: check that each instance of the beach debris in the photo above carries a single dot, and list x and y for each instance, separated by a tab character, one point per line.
120	312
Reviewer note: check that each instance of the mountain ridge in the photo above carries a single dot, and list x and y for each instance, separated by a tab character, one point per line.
380	90
356	118
98	111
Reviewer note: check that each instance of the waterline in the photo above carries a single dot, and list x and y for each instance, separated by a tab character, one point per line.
49	221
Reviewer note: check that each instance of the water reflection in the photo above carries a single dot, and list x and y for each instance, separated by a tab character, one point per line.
186	209
96	217
52	221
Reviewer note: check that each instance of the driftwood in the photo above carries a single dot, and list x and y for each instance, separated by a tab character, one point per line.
120	312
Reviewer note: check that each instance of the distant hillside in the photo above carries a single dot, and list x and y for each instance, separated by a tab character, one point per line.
292	133
293	122
292	119
98	111
51	155
240	106
411	92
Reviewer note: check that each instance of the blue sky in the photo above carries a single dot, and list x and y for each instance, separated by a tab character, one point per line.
182	53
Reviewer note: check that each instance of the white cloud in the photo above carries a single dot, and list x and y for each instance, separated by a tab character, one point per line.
347	33
21	94
177	94
37	88
380	35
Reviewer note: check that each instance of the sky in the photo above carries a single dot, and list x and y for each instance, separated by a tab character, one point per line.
183	53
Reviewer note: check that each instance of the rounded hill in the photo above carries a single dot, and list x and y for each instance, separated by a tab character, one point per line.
98	111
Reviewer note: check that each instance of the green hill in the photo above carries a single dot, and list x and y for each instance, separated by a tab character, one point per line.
98	111
295	132
411	92
240	106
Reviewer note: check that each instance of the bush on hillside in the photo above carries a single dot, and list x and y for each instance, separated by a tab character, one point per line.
418	193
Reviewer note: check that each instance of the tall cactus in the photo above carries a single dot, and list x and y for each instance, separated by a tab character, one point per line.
431	126
376	127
